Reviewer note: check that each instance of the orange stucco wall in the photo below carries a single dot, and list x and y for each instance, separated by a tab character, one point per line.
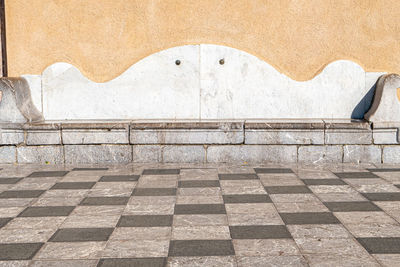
298	37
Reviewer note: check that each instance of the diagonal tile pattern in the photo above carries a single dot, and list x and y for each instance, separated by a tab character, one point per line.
200	215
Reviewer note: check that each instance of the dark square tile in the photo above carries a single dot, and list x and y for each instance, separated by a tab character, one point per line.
161	171
19	251
259	232
154	192
21	193
273	170
90	169
200	209
294	189
324	182
355	175
9	180
133	262
384	170
247	198
309	218
145	221
46	211
48	174
81	234
201	248
73	185
381	245
238	176
199	183
119	178
4	221
395	196
104	201
351	206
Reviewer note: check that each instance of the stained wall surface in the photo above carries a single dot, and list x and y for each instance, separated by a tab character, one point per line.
103	38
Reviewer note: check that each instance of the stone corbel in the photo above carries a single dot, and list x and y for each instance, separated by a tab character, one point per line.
19	89
385	109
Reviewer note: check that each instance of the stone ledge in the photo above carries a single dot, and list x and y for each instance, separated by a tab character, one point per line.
274	132
114	153
385	136
284	136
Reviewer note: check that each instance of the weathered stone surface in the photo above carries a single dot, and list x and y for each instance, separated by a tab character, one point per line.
97	154
348	136
40	154
385	136
190	154
11	137
146	153
347	124
252	153
284	124
187	136
18	94
94	136
8	154
43	137
386	105
284	136
362	154
320	154
391	154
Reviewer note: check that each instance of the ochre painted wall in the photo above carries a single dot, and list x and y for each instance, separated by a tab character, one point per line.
298	37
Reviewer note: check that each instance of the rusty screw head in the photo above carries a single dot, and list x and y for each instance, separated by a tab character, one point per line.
178	62
222	61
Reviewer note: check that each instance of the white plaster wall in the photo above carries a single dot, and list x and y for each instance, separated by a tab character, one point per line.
201	88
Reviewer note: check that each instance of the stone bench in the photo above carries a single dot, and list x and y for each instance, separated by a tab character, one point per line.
239	109
305	141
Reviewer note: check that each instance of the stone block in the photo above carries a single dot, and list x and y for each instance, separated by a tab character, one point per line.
186	136
94	136
86	154
184	154
43	137
285	137
40	154
391	154
385	136
11	137
362	154
348	137
8	154
252	153
320	154
146	153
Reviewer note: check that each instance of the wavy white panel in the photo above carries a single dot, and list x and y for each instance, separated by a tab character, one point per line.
247	87
244	87
154	88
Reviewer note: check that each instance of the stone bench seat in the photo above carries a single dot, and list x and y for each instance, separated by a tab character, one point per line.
304	141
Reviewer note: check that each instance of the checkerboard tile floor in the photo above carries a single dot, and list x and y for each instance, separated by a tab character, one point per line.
199	215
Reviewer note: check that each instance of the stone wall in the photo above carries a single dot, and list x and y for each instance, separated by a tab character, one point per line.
199	142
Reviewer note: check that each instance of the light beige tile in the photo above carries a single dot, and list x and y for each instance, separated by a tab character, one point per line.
265	247
272	261
200	219
141	233
200	232
85	221
226	261
67	250
136	248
